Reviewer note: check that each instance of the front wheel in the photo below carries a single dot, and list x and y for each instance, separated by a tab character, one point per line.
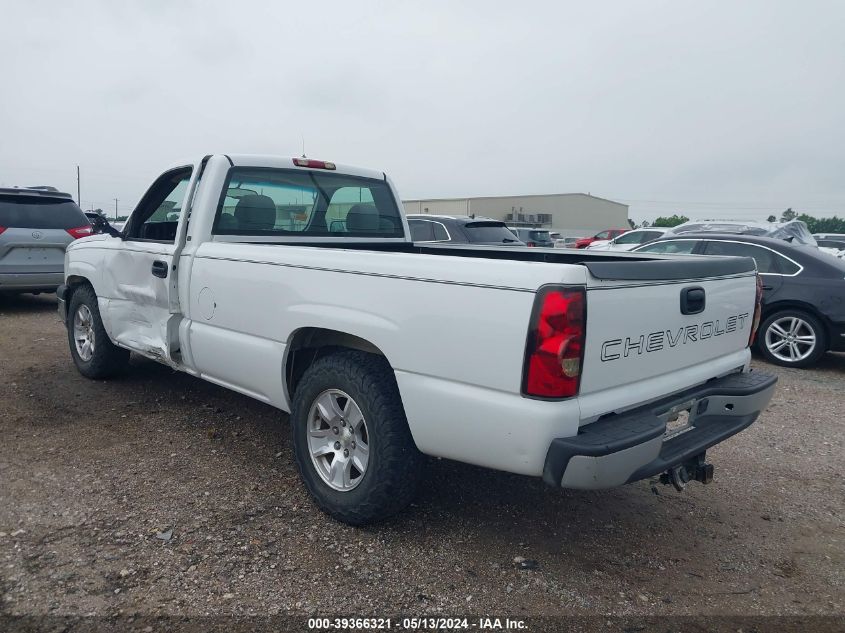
94	355
351	439
792	338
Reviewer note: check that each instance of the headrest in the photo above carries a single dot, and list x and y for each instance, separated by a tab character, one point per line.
362	218
255	212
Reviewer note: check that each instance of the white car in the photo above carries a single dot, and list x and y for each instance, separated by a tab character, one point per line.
628	241
295	282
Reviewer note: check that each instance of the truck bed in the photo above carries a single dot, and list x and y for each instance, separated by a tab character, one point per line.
602	265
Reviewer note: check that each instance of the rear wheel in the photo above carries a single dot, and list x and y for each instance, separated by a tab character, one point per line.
93	353
351	439
792	338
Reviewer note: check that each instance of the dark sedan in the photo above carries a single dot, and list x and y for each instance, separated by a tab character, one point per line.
803	292
461	230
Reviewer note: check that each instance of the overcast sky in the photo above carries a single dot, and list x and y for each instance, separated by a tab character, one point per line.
714	109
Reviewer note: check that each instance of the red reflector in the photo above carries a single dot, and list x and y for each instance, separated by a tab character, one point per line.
758	308
554	350
314	164
81	231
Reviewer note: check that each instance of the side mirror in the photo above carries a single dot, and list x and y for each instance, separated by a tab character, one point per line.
101	225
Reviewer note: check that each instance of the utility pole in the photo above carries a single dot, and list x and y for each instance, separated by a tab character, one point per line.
78	195
115	209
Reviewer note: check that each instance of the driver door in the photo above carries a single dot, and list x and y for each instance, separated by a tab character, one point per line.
138	272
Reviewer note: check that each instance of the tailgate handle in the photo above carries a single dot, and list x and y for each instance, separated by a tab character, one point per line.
692	300
159	269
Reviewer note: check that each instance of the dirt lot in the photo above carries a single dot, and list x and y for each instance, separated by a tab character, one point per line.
161	494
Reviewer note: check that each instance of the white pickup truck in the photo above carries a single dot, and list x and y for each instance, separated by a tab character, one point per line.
294	281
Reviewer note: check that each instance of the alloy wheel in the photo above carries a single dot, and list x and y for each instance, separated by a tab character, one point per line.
338	441
83	332
790	339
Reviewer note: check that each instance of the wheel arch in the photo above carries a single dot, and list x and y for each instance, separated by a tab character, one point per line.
307	344
72	283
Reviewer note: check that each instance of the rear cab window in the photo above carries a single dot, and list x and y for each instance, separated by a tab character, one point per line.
491	232
40	212
302	203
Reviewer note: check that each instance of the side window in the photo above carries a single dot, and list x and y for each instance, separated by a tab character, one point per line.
766	259
787	267
670	247
604	235
157	214
421	230
634	237
306	203
440	233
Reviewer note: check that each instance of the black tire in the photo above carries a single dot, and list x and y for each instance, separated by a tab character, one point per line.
108	359
812	324
390	480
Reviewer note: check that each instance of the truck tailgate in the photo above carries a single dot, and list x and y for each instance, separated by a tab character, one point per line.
650	319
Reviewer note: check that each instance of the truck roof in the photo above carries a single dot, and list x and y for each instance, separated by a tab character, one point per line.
286	162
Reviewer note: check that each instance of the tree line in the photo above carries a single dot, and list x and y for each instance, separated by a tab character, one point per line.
834	224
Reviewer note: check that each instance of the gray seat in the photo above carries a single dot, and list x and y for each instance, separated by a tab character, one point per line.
227	222
362	218
255	213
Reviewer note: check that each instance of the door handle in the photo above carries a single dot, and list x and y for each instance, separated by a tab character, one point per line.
693	300
159	269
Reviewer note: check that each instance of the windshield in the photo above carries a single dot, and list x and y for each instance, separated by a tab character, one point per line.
488	232
40	213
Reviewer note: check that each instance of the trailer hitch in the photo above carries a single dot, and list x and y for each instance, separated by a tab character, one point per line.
695	469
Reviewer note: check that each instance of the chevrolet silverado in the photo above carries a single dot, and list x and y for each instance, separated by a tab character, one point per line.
295	282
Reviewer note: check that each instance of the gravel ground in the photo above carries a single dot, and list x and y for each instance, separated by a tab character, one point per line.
160	494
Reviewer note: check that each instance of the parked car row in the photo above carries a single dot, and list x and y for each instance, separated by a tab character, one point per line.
803	293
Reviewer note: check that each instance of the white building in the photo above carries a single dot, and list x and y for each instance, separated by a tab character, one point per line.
572	214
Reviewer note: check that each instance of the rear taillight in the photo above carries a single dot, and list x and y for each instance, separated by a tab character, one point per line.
81	231
758	308
530	244
314	164
2	228
555	346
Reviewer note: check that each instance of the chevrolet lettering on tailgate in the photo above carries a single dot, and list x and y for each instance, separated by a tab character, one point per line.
617	348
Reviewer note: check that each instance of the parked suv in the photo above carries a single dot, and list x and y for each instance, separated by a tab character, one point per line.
36	225
803	305
462	229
